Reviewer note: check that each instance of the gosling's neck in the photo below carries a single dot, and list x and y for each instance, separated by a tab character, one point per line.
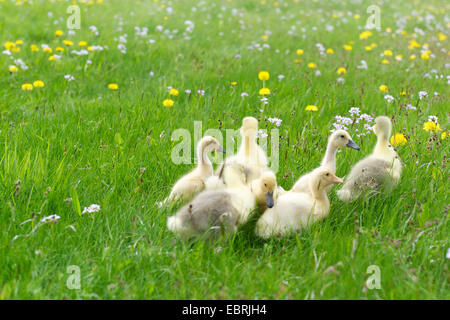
329	160
203	161
382	145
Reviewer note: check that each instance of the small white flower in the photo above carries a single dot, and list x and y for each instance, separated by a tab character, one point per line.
422	94
389	98
91	209
52	218
448	253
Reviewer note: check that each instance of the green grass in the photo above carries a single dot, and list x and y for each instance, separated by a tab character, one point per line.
82	141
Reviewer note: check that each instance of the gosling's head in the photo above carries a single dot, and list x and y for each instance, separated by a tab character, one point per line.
341	138
324	178
383	127
249	126
268	187
209	144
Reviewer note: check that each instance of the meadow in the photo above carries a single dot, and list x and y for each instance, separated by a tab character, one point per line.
85	144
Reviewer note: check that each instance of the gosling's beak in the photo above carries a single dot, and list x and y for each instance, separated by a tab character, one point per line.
269	199
352	145
220	149
337	180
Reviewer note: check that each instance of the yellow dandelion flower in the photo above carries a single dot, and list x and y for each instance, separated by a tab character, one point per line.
330	51
59	33
342	70
233	83
19	42
348	47
27	87
168	103
68	42
442	36
444	135
399	57
412	57
34	48
388	52
311	108
9	45
356	16
368	48
365	34
425	56
398	139
403	93
385	61
47	50
264	91
265	37
174	92
82	43
263	75
388	29
59	49
297	60
312	65
299	52
431	126
113	86
52	58
13	69
384	88
373	45
413	44
38	84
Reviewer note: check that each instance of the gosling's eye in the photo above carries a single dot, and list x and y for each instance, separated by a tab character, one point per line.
327	174
342	136
265	185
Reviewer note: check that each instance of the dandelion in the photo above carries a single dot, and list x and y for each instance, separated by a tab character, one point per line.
59	49
365	34
13	69
47	50
91	209
264	91
312	65
384	88
263	75
113	86
173	92
368	48
27	87
299	52
442	37
330	51
34	48
233	83
9	45
82	43
444	135
311	108
38	84
68	43
59	33
348	47
385	61
425	56
399	57
387	52
341	70
412	57
398	139
168	103
431	126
